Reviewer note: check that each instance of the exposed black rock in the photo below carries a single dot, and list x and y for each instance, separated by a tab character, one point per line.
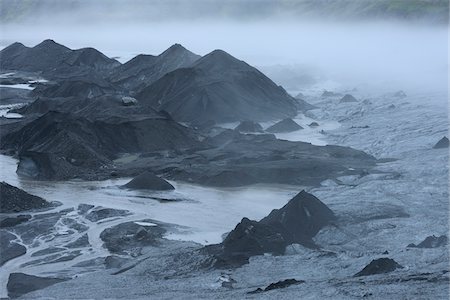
286	125
248	127
16	200
8	248
296	222
130	238
20	283
277	285
443	143
114	261
431	242
13	220
219	87
379	266
348	98
148	181
143	70
103	213
84	208
313	124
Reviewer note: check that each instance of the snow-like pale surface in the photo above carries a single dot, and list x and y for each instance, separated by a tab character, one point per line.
372	210
4	111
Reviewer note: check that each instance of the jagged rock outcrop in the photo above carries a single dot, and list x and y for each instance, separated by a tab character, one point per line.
286	125
277	285
221	88
431	242
296	222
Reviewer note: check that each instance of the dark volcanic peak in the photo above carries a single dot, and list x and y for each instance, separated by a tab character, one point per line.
54	60
143	70
220	88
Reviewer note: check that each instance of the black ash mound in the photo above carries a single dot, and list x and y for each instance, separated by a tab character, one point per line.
379	266
286	125
443	143
296	222
249	127
221	88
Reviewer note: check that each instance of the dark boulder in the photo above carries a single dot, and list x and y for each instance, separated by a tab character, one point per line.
379	266
313	124
20	283
431	242
249	126
8	248
348	98
103	213
148	181
278	285
296	222
286	125
443	143
16	200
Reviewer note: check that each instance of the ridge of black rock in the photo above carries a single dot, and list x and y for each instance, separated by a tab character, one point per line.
13	199
431	242
143	70
296	222
220	88
148	181
278	285
442	143
286	125
20	283
379	266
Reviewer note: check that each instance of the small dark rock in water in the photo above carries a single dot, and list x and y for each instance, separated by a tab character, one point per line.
443	143
313	124
296	222
8	248
249	126
20	283
431	242
379	266
286	125
16	200
278	285
13	221
148	181
348	98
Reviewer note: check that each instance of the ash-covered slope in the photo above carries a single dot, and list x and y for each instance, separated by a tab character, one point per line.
62	145
221	88
143	70
53	59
